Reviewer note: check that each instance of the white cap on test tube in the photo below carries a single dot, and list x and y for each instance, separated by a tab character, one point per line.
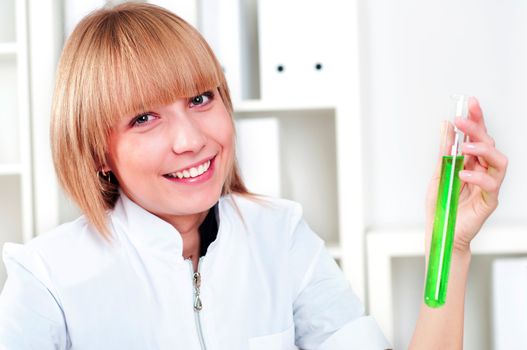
461	110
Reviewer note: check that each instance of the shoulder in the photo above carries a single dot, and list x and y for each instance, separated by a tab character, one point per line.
62	235
263	210
272	224
68	239
62	252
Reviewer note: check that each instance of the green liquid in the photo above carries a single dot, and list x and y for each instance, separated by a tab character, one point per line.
443	232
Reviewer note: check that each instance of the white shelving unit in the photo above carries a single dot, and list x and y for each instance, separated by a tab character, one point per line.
386	246
320	137
8	49
10	169
16	205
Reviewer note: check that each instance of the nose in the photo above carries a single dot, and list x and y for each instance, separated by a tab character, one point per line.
186	134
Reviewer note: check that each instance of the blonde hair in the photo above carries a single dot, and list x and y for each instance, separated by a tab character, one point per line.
119	61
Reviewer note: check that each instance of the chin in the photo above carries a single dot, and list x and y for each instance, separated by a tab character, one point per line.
198	204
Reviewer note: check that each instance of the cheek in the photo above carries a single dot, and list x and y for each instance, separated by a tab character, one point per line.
228	136
135	156
226	141
224	132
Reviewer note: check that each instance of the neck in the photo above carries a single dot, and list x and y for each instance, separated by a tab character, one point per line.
191	245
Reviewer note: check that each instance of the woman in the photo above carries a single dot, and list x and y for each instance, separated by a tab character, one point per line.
173	252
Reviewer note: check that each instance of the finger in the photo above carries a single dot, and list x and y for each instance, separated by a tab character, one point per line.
473	161
447	138
487	183
476	132
489	154
475	113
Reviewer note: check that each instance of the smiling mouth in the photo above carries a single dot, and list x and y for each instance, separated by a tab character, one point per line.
190	172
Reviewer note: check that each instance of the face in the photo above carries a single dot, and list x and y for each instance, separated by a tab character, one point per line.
173	159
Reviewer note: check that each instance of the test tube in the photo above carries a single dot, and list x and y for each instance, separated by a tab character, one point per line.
445	215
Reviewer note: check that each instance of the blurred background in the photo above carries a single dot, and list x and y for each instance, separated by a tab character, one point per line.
338	106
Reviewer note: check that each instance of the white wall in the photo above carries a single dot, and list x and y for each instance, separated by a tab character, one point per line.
414	55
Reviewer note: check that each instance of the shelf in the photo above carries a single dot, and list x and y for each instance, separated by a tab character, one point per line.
402	242
10	214
334	249
383	245
8	49
289	154
10	169
249	106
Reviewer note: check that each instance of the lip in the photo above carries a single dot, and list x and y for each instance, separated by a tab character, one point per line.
194	165
198	179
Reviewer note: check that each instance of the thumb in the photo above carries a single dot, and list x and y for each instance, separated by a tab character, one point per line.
446	142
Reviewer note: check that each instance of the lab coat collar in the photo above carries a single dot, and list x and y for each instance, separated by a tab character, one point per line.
147	231
144	229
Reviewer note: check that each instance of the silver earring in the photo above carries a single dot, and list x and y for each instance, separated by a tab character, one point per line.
104	175
105	178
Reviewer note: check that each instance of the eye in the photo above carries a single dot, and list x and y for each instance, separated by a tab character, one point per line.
201	100
142	119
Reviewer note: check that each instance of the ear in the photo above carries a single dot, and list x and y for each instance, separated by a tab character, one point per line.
107	163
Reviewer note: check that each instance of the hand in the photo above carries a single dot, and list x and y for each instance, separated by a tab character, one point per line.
481	178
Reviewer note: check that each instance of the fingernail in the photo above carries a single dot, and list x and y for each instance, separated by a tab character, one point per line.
465	173
469	145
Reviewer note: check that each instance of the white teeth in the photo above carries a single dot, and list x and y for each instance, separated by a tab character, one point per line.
192	172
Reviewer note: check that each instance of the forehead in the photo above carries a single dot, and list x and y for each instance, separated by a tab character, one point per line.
149	59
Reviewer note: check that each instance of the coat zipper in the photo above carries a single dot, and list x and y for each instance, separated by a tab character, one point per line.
196	282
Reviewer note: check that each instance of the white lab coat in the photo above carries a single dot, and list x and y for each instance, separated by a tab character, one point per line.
268	284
